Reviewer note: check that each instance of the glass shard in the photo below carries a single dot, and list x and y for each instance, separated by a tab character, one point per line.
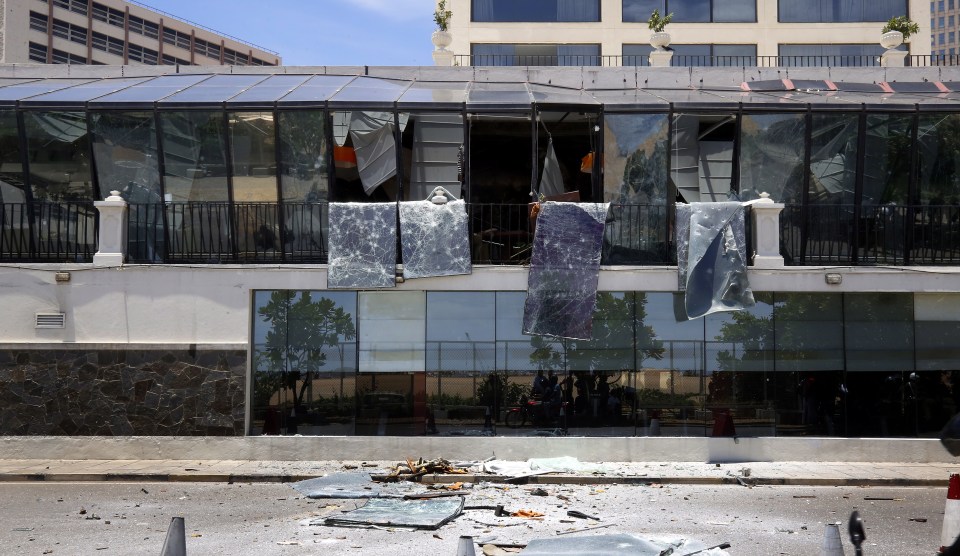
564	269
712	258
433	239
363	245
386	512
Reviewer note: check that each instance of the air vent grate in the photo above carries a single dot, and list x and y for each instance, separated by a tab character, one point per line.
51	320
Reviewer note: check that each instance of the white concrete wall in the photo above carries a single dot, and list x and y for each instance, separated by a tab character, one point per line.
611	33
210	305
623	449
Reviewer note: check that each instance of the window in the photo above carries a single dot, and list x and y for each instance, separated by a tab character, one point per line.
941	39
70	32
940	21
107	44
838	11
137	53
205	48
951	37
952	21
143	27
108	15
38	22
169	60
38	53
536	54
535	10
830	54
75	6
685	55
61	57
685	11
176	38
234	58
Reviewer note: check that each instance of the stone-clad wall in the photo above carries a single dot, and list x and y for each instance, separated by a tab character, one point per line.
115	393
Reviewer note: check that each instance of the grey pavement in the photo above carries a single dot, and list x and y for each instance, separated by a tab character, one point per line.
748	473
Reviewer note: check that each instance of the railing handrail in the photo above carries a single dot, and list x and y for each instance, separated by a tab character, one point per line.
692	60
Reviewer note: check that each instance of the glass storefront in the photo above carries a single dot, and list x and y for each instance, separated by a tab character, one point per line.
456	363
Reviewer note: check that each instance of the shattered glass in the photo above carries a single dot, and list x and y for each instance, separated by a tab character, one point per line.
352	486
388	512
622	544
564	269
363	245
433	239
712	258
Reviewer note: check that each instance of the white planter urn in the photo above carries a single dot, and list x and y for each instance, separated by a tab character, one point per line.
891	39
660	40
441	39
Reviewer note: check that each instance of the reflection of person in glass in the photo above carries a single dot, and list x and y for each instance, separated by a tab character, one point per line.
539	385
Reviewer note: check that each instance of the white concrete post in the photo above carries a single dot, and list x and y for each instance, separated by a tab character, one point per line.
112	248
893	58
766	232
661	58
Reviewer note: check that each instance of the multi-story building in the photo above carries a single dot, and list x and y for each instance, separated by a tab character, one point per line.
708	32
943	28
242	277
115	32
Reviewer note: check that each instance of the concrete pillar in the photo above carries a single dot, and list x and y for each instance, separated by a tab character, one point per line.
893	58
766	232
112	240
661	58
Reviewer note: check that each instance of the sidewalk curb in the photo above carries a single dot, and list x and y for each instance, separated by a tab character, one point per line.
446	479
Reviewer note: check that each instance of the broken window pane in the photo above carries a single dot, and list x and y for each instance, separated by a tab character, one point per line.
363	245
562	284
434	239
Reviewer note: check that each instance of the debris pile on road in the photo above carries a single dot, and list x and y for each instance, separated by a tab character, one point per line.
410	471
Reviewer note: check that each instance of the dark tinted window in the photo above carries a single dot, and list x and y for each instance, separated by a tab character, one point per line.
827	11
536	10
692	11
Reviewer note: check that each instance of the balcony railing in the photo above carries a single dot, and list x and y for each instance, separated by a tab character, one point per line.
57	232
871	235
681	60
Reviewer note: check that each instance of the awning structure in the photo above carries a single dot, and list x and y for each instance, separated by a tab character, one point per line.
513	91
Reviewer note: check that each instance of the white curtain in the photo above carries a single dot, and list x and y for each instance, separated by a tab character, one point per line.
551	181
375	147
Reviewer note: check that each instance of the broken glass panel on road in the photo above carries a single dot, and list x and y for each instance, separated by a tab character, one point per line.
433	239
350	486
388	512
619	545
564	270
712	258
363	245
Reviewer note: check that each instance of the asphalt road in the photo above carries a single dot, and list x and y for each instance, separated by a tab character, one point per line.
132	518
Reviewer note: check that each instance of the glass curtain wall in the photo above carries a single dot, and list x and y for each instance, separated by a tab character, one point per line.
14	218
772	152
259	230
697	11
535	54
886	184
838	11
374	363
535	10
304	168
125	149
61	181
635	183
936	204
196	184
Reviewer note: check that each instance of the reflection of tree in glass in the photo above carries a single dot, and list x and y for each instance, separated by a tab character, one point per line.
750	336
300	331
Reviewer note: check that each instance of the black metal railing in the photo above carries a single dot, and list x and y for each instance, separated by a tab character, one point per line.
684	60
639	235
48	232
501	233
218	232
871	235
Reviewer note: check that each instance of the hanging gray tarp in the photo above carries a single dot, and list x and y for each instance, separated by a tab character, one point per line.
551	180
622	544
433	239
564	270
376	149
388	512
437	139
363	245
712	258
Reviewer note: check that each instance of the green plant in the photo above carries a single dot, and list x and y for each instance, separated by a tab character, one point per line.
656	23
442	15
903	24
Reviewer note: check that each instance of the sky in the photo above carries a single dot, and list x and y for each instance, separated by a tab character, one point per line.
320	32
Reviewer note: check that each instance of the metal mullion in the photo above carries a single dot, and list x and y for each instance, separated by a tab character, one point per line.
231	209
805	194
671	204
596	172
281	223
858	186
27	182
161	171
913	188
534	146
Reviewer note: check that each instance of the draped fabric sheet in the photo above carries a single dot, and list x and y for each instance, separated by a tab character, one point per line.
712	258
363	245
433	239
564	270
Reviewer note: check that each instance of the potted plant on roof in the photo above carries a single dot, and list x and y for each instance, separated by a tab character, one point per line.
659	39
897	31
441	16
